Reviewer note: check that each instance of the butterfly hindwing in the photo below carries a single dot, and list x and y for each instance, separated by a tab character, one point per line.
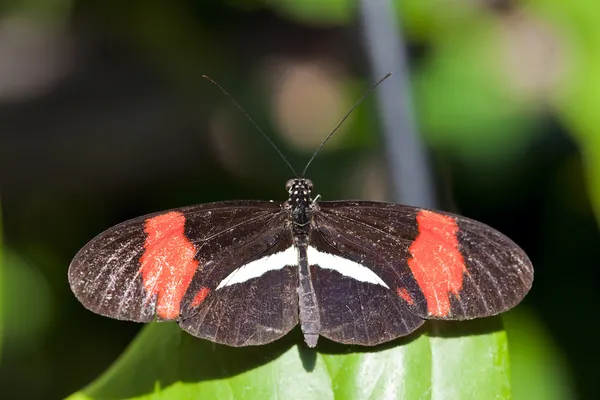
356	305
256	301
439	265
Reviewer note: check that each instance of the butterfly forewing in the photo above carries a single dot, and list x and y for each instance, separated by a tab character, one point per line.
142	268
439	265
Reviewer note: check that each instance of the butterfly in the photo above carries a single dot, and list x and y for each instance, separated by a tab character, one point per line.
247	272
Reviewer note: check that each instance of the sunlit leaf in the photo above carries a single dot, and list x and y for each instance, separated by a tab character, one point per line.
449	361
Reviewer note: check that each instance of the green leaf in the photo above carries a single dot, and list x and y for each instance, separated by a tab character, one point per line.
448	361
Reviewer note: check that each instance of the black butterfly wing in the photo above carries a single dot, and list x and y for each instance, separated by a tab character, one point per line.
352	310
165	264
255	301
432	265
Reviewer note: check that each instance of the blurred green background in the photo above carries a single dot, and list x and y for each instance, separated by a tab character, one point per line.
104	116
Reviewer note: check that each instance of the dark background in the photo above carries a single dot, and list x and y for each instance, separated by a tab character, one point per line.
104	116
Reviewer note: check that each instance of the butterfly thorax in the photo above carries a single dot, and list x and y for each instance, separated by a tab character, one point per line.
300	204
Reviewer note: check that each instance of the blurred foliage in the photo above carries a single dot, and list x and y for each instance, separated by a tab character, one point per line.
506	93
54	11
329	12
578	99
2	287
538	369
461	104
29	294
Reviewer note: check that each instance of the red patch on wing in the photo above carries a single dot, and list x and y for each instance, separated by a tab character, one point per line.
168	263
200	296
402	292
436	263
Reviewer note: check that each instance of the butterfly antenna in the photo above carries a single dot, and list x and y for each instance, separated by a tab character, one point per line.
226	93
343	119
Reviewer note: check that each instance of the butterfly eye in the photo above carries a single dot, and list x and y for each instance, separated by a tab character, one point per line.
289	184
309	184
